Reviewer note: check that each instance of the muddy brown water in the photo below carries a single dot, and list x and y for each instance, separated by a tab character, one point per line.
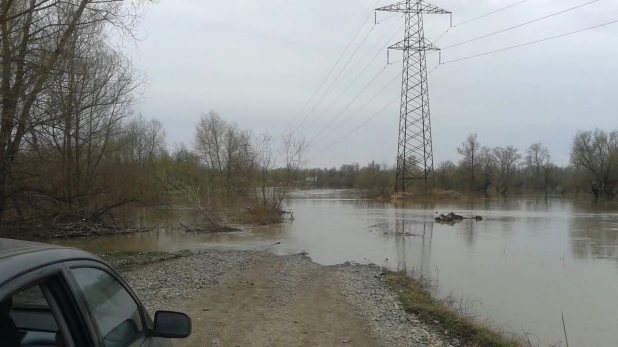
525	264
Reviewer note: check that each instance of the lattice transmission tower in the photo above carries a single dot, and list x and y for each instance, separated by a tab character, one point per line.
414	149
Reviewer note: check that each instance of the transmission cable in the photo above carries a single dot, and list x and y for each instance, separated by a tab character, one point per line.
370	118
333	68
371	49
490	13
358	127
387	18
520	25
473	19
355	112
441	36
334	80
532	42
355	79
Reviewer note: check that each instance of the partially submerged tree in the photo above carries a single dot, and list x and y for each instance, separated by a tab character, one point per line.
506	160
270	197
487	161
537	161
597	153
470	162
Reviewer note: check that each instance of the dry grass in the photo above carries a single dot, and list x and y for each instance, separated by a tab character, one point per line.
417	299
435	194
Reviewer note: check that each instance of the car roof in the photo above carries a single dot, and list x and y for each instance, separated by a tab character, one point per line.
18	257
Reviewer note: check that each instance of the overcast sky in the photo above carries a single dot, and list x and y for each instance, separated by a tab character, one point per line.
257	63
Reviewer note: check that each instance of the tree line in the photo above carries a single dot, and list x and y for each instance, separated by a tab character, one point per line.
500	171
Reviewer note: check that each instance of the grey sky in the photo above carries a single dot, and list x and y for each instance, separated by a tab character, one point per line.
258	62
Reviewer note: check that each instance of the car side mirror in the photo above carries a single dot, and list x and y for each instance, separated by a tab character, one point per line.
173	325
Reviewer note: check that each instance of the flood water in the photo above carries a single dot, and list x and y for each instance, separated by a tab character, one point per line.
525	264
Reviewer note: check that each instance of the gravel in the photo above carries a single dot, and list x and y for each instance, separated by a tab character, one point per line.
159	283
304	270
363	287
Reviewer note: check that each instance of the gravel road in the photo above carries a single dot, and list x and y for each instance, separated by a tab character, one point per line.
260	299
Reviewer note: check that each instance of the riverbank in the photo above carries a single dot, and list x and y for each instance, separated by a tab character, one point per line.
282	300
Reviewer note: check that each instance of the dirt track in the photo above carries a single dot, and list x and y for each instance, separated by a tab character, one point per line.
270	304
245	298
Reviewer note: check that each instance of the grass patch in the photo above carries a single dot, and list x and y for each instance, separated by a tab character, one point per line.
417	299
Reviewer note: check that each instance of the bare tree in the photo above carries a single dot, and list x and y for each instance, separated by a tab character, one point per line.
445	173
270	198
470	151
143	140
597	153
34	37
227	149
487	161
210	140
506	159
537	159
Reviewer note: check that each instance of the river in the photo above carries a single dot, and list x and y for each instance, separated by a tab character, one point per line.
526	263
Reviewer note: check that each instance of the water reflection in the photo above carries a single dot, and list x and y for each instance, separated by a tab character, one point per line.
594	236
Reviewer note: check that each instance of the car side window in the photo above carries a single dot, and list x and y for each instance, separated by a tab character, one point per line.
115	312
26	319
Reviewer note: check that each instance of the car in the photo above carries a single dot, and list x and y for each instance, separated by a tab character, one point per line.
58	296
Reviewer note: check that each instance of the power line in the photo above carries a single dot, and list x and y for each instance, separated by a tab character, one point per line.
490	13
358	127
473	19
520	25
432	70
334	80
365	122
531	43
441	36
355	79
353	113
387	18
350	103
371	48
333	68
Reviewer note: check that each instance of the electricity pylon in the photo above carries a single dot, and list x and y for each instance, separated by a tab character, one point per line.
414	149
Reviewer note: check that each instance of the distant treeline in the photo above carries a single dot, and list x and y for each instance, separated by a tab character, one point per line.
498	171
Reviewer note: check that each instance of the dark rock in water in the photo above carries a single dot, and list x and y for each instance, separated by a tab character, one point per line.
478	218
454	216
451	217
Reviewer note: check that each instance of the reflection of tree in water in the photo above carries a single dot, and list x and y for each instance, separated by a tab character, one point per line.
468	232
594	236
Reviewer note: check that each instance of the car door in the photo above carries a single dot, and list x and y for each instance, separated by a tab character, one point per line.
40	310
119	318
